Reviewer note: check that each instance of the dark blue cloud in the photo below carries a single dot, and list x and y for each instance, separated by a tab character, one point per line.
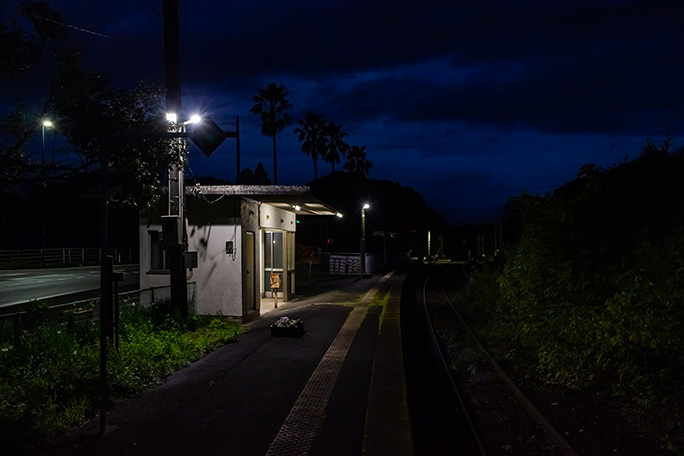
483	97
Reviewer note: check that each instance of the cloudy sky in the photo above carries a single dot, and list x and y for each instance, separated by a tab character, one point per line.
468	102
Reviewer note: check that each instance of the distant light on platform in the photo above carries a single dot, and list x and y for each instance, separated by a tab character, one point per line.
339	215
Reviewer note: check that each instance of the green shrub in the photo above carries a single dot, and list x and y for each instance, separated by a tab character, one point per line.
49	384
593	286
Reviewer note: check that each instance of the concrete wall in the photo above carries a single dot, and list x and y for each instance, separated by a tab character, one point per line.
218	274
275	218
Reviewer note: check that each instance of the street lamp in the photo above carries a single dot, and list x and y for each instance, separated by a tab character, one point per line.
172	118
176	172
176	221
363	239
44	124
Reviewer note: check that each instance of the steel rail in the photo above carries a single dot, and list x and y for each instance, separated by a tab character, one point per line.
435	342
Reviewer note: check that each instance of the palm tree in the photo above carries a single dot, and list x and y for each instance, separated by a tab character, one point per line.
272	104
311	133
336	146
357	162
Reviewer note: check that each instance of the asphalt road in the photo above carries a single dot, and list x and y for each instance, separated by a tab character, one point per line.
21	285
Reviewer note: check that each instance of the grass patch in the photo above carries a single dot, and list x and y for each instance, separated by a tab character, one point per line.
379	300
49	384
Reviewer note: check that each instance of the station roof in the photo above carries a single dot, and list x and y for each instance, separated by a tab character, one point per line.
293	198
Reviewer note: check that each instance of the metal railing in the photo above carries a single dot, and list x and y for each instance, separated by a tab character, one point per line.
86	308
64	256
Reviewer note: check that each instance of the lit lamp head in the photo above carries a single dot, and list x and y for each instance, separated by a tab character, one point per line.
194	119
171	117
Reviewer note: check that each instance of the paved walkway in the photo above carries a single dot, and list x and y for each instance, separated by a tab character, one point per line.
338	390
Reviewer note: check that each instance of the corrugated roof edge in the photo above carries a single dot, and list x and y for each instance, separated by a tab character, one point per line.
247	190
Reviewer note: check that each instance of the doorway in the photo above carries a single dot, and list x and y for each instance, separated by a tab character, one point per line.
273	257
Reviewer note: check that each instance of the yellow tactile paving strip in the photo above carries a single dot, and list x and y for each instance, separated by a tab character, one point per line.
299	429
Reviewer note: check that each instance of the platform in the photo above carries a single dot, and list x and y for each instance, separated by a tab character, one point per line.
338	390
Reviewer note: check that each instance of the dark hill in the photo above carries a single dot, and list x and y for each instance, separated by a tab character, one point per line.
398	216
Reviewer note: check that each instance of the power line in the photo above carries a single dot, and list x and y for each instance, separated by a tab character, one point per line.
80	29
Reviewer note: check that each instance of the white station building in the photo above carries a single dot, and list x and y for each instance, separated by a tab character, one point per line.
242	234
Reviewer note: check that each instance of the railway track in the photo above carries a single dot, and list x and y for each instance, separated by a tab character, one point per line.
469	405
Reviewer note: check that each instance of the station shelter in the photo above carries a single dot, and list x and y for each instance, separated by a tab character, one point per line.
239	237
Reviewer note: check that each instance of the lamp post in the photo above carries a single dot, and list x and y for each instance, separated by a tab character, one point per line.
45	123
363	239
107	277
175	225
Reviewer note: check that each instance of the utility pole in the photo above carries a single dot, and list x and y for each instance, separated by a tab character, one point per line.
237	130
175	248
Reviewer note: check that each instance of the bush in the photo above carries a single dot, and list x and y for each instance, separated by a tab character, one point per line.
593	285
49	384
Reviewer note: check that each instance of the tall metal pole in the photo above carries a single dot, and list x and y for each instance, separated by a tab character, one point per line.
237	129
179	293
172	56
42	194
105	294
363	241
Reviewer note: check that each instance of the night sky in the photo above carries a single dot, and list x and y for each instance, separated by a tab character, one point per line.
468	102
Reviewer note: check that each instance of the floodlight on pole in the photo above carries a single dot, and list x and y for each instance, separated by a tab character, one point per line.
194	119
172	118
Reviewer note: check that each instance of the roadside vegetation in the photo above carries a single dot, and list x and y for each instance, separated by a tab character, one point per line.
592	289
49	382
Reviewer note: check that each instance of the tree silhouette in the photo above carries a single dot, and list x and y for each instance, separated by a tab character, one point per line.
21	48
96	119
312	135
336	146
357	162
258	177
272	104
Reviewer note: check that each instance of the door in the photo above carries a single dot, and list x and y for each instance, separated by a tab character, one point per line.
273	257
250	275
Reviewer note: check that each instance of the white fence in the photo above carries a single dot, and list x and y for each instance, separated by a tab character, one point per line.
346	263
